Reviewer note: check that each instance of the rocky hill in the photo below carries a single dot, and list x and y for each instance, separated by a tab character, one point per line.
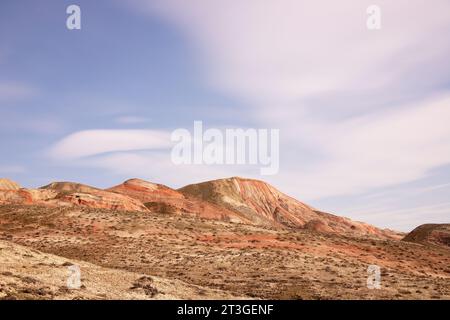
436	234
159	198
263	204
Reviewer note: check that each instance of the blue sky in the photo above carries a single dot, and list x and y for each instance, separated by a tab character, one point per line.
363	115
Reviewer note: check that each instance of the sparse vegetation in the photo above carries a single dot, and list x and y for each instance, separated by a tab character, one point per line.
237	259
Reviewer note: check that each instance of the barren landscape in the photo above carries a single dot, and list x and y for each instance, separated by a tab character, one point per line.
224	239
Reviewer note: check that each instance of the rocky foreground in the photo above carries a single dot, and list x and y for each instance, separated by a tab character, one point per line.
26	273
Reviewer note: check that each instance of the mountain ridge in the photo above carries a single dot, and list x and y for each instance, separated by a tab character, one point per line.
234	199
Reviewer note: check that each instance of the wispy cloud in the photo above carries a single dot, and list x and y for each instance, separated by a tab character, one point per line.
371	151
298	64
94	142
280	51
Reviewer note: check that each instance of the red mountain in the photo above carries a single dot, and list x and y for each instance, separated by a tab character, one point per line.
230	200
162	199
263	204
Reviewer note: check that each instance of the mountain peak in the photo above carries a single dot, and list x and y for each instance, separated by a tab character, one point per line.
142	183
67	186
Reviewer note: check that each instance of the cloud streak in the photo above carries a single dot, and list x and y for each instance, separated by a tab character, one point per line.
377	150
89	143
285	50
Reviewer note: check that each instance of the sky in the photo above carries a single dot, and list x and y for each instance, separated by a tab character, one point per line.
363	114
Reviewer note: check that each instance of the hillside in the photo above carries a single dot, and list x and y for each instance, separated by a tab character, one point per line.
264	205
162	199
435	234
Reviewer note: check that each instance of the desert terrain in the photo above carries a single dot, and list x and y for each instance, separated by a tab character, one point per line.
224	239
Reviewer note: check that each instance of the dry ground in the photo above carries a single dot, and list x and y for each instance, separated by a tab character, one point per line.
26	273
241	260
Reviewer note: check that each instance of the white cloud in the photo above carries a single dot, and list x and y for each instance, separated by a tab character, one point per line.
373	151
94	142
